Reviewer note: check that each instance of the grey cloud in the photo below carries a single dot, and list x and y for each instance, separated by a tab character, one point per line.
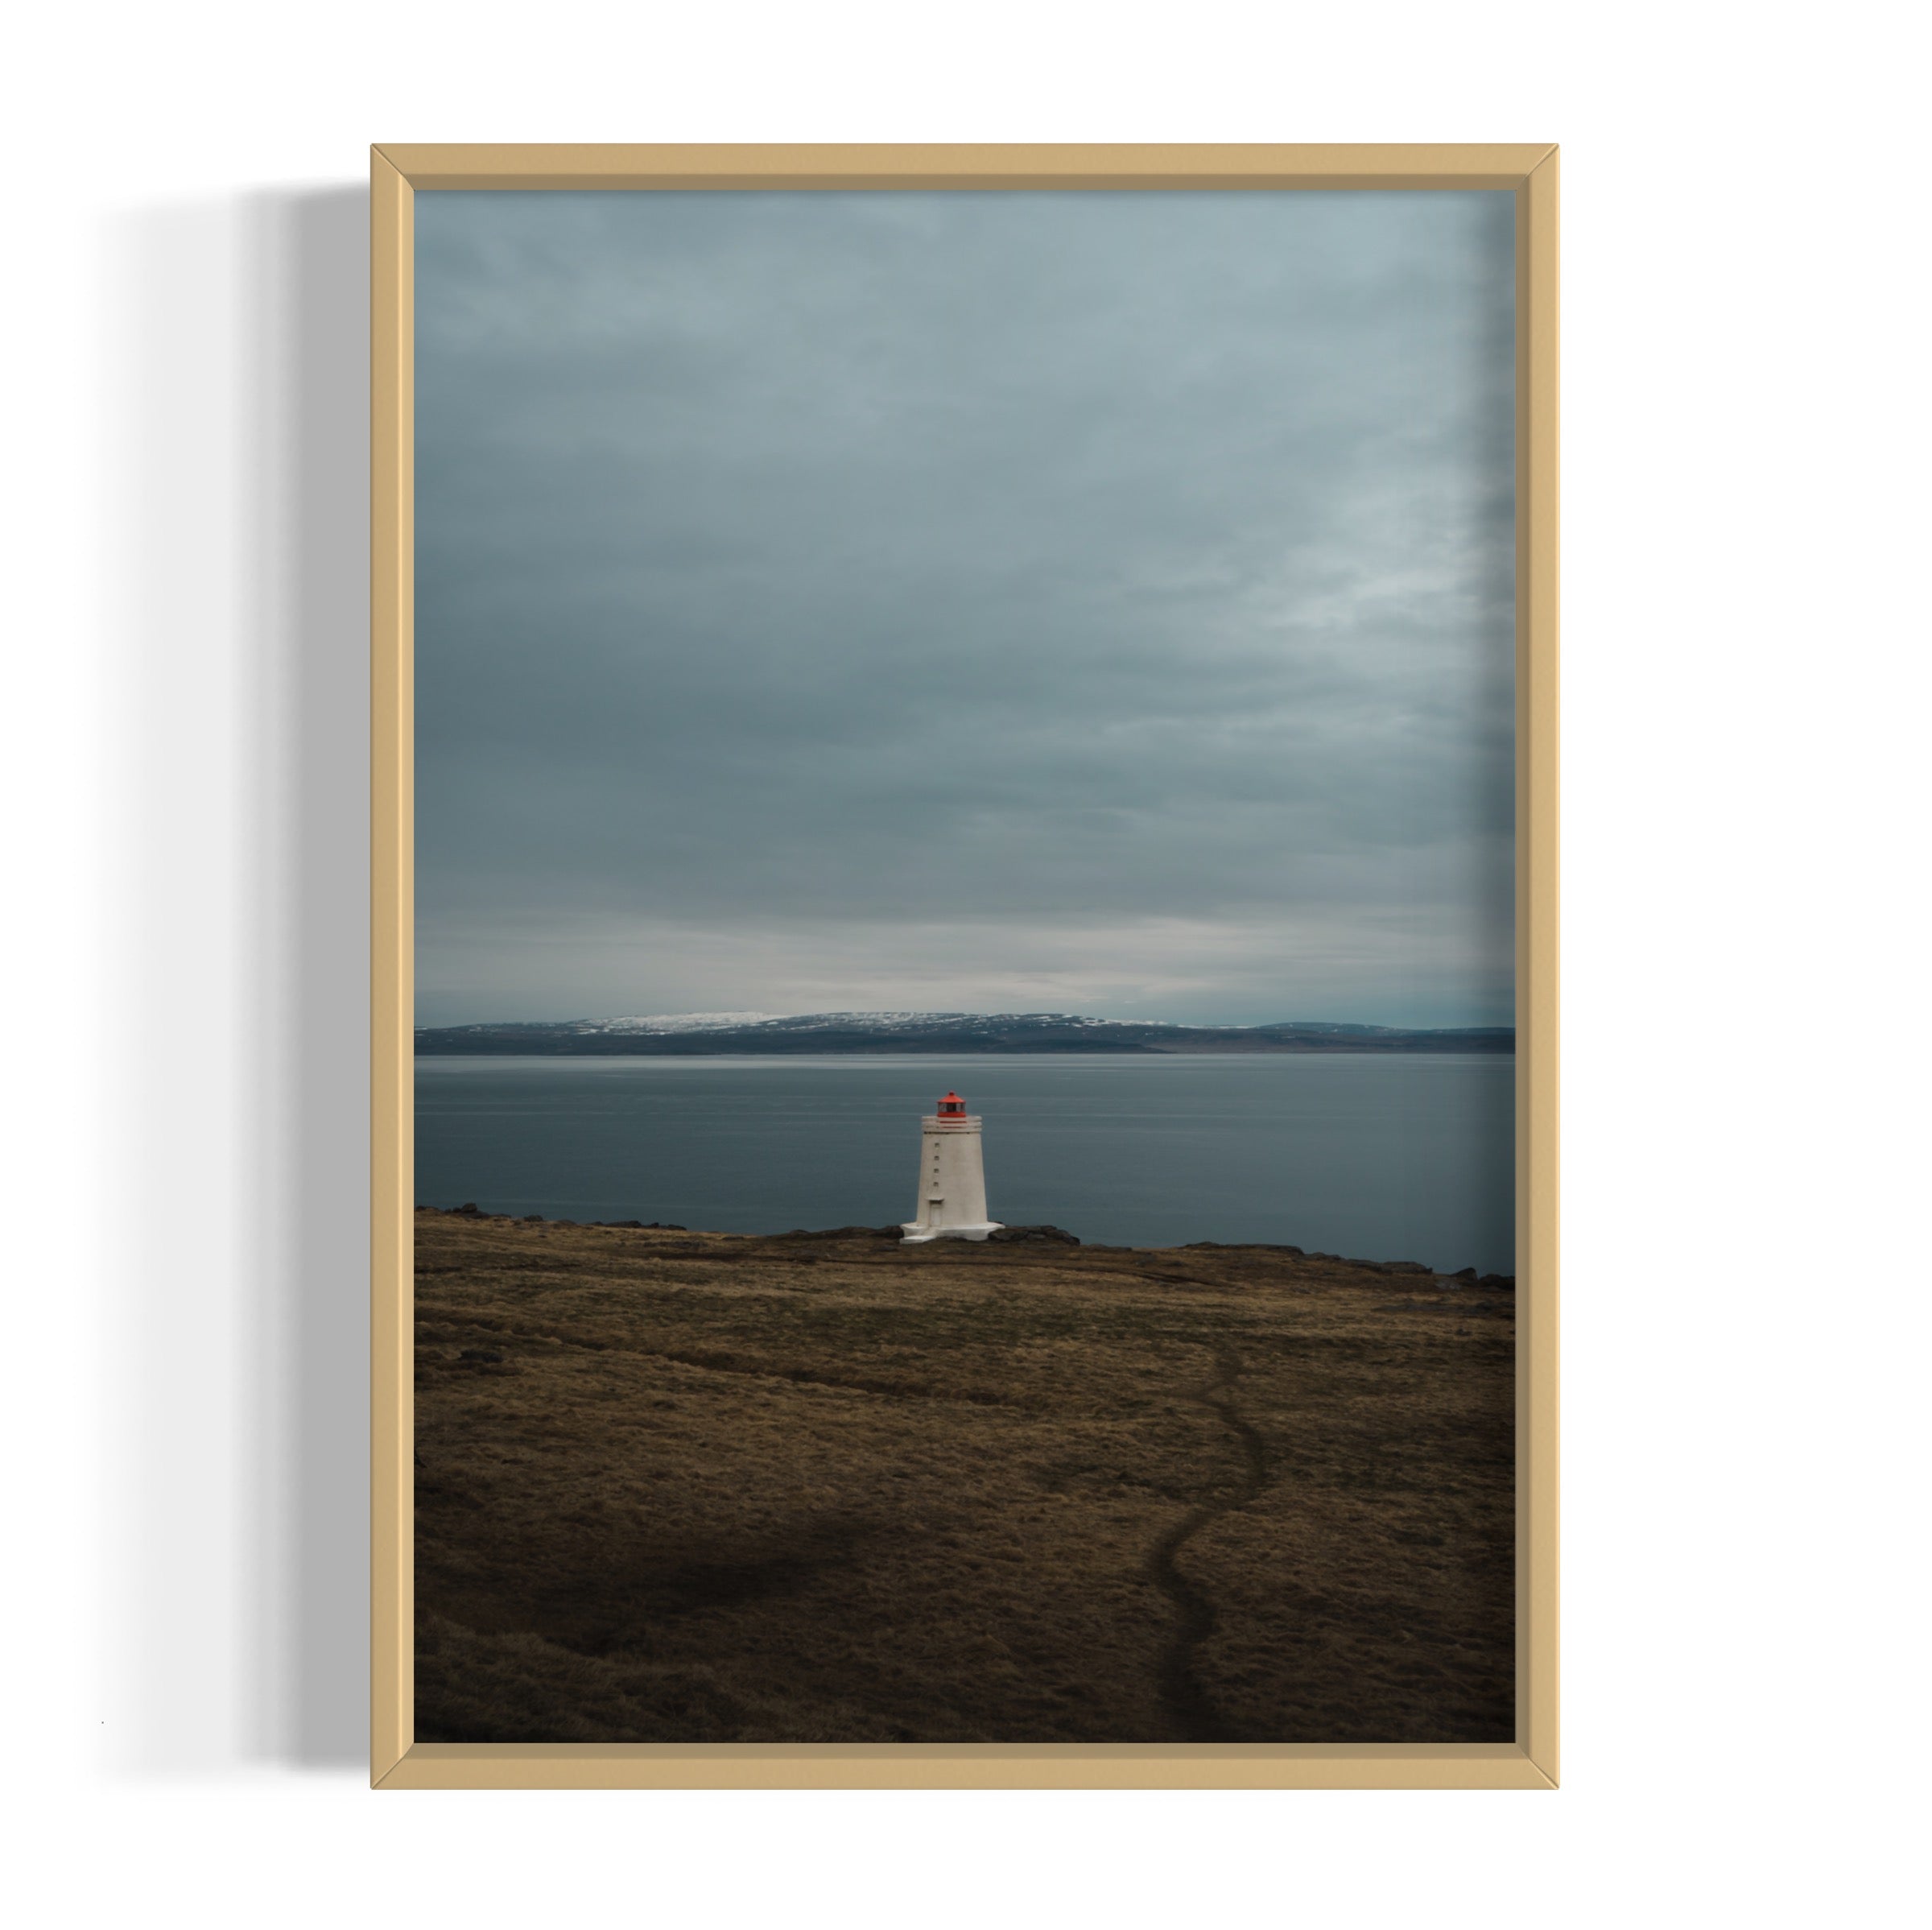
1019	568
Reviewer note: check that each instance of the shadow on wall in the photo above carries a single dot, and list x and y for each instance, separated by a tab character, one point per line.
235	1364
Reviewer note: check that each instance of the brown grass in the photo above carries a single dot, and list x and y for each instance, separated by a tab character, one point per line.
680	1487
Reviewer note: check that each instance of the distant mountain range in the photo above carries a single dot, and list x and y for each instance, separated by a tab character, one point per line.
712	1034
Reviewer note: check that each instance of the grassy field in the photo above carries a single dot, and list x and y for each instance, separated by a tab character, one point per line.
685	1487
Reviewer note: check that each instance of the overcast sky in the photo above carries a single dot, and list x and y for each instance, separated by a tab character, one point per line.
986	602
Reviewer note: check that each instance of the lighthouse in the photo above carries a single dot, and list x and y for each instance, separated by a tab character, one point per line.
953	1178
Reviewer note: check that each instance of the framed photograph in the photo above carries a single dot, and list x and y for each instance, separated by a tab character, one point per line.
965	978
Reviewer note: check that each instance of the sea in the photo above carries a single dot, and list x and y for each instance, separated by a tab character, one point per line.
1396	1156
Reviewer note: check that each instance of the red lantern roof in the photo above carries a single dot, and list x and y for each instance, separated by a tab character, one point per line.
952	1103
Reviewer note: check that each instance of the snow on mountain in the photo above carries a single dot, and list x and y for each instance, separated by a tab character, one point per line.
680	1022
667	1022
658	1023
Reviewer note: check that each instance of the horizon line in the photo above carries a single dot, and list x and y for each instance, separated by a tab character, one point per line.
751	1021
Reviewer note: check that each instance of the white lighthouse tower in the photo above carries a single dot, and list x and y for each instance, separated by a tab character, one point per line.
952	1178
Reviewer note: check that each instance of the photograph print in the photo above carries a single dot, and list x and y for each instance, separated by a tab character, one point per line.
964	936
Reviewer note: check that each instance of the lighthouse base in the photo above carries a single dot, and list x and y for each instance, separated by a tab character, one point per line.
913	1234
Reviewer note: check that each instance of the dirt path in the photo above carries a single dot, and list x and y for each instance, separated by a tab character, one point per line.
1191	1714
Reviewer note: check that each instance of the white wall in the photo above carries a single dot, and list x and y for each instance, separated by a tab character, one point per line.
1746	696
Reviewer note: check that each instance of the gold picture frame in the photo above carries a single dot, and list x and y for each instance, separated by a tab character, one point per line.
398	175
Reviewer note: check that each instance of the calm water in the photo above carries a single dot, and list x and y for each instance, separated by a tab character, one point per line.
1402	1158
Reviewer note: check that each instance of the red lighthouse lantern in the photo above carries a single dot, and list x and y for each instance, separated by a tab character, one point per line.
953	1106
